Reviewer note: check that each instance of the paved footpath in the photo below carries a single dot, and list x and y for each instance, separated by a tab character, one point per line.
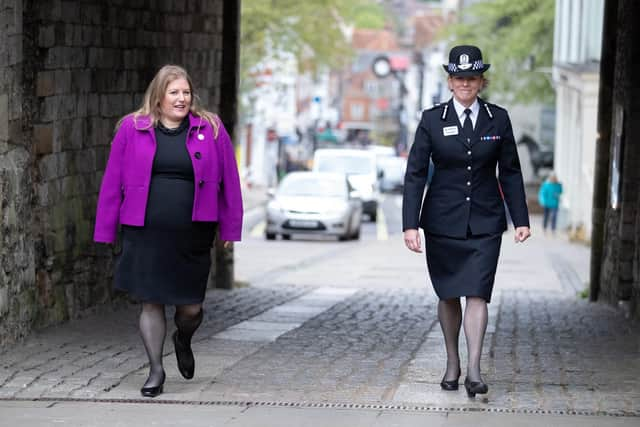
343	354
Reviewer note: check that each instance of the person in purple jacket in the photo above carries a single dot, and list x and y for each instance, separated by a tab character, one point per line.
171	182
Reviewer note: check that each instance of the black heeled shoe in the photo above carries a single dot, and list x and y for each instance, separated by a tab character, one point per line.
184	356
450	385
475	387
155	390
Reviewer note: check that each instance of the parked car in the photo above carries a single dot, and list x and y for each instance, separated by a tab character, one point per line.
393	169
314	203
360	168
382	150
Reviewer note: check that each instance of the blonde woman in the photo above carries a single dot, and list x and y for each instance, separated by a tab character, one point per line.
171	182
463	215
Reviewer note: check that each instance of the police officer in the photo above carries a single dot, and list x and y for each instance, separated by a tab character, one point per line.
463	214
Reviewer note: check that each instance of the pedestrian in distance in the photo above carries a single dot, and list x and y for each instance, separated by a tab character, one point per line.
171	182
549	198
463	215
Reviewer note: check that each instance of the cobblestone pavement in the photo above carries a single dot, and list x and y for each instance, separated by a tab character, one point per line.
545	353
102	355
359	330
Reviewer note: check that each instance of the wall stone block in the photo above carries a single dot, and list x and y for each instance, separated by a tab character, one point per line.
47	36
45	83
65	57
4	300
43	139
4	117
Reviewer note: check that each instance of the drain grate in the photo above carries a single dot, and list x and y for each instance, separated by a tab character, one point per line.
334	405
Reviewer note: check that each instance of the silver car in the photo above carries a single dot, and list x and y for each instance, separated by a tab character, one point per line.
314	203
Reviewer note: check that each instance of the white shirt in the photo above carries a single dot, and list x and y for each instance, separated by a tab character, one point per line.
475	109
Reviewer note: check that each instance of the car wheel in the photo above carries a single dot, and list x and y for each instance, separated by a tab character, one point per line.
373	216
356	235
286	237
270	236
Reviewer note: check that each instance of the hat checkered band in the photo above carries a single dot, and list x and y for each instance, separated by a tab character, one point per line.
477	65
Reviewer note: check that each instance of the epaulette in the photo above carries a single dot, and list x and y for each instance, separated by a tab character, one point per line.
495	106
443	116
435	106
487	109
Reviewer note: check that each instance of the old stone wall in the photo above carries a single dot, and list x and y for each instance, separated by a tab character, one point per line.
70	69
620	275
17	251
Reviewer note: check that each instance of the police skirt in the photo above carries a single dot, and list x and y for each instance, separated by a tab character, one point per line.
463	267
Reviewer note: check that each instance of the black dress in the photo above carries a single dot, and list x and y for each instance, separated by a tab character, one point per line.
167	260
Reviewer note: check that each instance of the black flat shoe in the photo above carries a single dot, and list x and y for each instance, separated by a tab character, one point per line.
153	391
450	385
184	356
475	387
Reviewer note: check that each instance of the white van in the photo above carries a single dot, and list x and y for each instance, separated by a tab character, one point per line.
360	168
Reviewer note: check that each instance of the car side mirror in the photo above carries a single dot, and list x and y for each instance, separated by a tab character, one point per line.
380	174
271	193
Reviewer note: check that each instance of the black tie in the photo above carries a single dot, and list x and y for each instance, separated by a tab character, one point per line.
467	126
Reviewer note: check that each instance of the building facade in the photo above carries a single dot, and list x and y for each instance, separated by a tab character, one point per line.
576	61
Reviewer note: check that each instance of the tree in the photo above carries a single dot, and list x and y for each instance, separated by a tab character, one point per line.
516	38
313	31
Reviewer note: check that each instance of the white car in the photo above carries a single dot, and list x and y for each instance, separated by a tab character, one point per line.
360	168
393	170
314	203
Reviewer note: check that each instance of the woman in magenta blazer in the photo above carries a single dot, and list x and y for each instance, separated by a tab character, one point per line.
171	182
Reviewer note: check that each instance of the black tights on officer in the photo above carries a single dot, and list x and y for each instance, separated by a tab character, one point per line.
475	325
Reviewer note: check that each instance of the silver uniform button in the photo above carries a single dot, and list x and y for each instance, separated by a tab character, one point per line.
468	198
469	152
468	183
468	168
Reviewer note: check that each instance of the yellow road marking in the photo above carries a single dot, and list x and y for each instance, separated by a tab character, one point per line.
381	225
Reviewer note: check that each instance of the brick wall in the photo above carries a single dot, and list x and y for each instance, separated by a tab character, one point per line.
69	71
620	274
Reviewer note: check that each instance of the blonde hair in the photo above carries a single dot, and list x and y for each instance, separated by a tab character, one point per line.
155	93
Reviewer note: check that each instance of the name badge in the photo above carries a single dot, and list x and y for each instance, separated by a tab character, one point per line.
450	130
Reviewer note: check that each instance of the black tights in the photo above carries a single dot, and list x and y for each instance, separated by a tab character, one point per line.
153	329
475	325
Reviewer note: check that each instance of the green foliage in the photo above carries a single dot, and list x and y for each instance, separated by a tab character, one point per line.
311	30
516	38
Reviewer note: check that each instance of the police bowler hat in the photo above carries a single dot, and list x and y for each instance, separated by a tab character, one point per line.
465	61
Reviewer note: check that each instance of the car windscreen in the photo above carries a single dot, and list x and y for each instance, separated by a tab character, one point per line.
345	164
312	186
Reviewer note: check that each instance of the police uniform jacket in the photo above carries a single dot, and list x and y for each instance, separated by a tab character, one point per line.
465	193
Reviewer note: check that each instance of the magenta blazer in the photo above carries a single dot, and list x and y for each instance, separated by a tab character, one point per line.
125	185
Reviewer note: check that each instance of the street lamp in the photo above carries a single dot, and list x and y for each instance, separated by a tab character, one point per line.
382	67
